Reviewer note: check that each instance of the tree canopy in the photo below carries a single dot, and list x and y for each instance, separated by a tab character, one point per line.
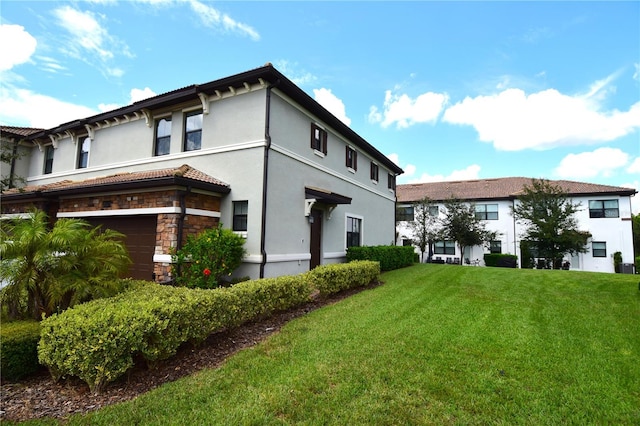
425	226
49	269
460	224
548	216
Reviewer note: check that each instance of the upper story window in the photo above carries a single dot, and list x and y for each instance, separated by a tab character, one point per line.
603	208
391	181
354	226
84	146
240	214
434	211
374	172
318	139
351	156
599	249
487	211
48	159
193	131
163	136
404	213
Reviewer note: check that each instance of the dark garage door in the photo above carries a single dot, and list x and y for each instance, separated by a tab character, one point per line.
140	240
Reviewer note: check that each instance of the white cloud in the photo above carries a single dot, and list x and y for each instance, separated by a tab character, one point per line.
141	94
17	46
89	40
636	73
409	170
513	120
21	107
634	167
405	111
213	18
601	162
469	173
332	103
49	64
290	69
135	95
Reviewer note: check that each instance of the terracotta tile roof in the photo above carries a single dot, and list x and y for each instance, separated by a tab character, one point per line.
499	188
184	171
12	131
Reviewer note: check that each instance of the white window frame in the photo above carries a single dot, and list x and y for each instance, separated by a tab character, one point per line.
346	221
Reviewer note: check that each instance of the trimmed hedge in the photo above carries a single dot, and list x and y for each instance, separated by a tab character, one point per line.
98	341
390	257
329	279
501	260
18	349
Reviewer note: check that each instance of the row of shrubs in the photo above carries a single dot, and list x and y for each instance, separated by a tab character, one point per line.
99	340
501	260
390	257
18	349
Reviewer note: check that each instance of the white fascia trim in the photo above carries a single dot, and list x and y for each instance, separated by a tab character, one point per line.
9	216
137	212
276	258
162	258
161	160
335	255
292	257
120	212
329	171
252	258
205	213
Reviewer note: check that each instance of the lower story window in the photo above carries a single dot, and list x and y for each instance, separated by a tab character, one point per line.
599	249
495	247
354	226
240	211
444	247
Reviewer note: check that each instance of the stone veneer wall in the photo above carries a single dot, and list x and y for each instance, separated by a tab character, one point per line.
167	237
167	223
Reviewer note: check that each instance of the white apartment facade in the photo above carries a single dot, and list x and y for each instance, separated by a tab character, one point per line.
605	213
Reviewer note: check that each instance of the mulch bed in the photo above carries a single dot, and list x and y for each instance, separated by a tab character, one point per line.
39	396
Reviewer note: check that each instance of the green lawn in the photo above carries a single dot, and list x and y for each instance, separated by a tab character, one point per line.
436	344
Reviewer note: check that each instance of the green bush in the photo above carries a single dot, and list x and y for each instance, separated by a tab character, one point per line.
328	279
207	258
638	265
390	257
18	349
99	340
617	261
501	260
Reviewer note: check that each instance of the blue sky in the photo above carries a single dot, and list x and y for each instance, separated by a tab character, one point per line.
455	90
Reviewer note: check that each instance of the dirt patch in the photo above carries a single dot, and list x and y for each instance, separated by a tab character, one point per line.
39	396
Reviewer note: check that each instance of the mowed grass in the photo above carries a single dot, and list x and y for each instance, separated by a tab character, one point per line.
436	344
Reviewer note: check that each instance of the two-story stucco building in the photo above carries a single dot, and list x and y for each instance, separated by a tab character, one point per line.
605	213
251	151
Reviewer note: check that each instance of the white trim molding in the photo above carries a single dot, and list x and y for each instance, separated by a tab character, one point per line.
138	212
335	255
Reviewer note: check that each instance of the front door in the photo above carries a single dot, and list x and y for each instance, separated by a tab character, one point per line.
315	242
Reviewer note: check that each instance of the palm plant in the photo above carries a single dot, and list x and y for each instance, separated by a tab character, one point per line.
48	269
